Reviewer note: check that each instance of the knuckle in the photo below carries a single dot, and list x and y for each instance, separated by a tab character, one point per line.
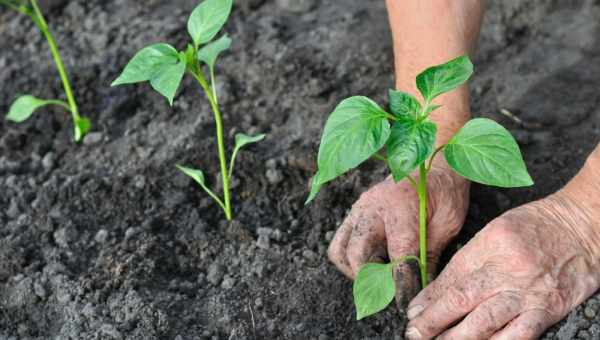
556	303
484	319
457	299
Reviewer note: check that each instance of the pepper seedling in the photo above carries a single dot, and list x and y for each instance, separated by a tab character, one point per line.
482	151
24	106
164	67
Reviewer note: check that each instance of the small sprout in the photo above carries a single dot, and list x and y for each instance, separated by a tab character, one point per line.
164	67
25	105
482	151
242	140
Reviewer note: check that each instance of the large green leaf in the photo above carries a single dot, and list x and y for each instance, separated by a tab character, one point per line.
485	152
443	78
355	130
166	81
24	106
410	144
403	104
147	63
209	53
373	289
207	19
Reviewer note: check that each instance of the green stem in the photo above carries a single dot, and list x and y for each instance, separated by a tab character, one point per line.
379	156
232	162
58	102
422	192
11	5
39	20
220	144
440	148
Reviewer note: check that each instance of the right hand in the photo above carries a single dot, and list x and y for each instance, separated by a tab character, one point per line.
384	222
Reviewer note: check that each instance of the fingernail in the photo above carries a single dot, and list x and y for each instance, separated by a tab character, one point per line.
413	334
414	311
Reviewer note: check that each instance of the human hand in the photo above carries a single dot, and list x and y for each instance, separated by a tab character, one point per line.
522	273
384	221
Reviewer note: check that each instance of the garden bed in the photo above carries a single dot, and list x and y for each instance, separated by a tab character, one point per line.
108	240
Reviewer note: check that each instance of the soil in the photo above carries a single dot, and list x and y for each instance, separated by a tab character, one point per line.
107	240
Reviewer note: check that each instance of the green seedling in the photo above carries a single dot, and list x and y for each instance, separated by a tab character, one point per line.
164	67
482	151
25	105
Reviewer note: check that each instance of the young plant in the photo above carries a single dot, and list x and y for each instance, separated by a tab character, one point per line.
163	66
25	105
482	151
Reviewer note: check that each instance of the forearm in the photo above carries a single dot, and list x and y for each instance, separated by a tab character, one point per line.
431	32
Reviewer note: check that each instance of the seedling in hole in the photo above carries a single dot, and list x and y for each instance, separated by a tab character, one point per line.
482	151
25	105
163	66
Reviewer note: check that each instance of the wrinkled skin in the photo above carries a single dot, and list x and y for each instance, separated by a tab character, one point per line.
384	223
522	273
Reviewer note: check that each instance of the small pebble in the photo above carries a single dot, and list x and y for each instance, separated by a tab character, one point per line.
215	273
39	290
139	181
263	242
296	6
92	138
13	209
274	176
589	313
130	232
309	255
49	160
101	236
228	282
329	235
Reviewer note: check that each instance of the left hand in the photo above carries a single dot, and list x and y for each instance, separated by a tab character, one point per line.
521	274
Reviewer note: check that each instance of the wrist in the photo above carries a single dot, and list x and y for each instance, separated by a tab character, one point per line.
583	195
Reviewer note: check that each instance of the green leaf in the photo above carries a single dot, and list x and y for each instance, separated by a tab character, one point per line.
24	106
147	63
209	53
315	187
373	289
207	19
81	127
196	175
410	144
166	81
485	152
242	140
404	104
355	130
443	78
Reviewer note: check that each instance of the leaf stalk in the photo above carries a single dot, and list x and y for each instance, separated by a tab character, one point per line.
422	193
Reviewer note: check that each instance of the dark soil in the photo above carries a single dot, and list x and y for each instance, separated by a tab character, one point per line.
107	240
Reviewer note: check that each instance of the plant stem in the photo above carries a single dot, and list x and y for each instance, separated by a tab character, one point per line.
220	144
379	156
440	148
422	193
39	20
